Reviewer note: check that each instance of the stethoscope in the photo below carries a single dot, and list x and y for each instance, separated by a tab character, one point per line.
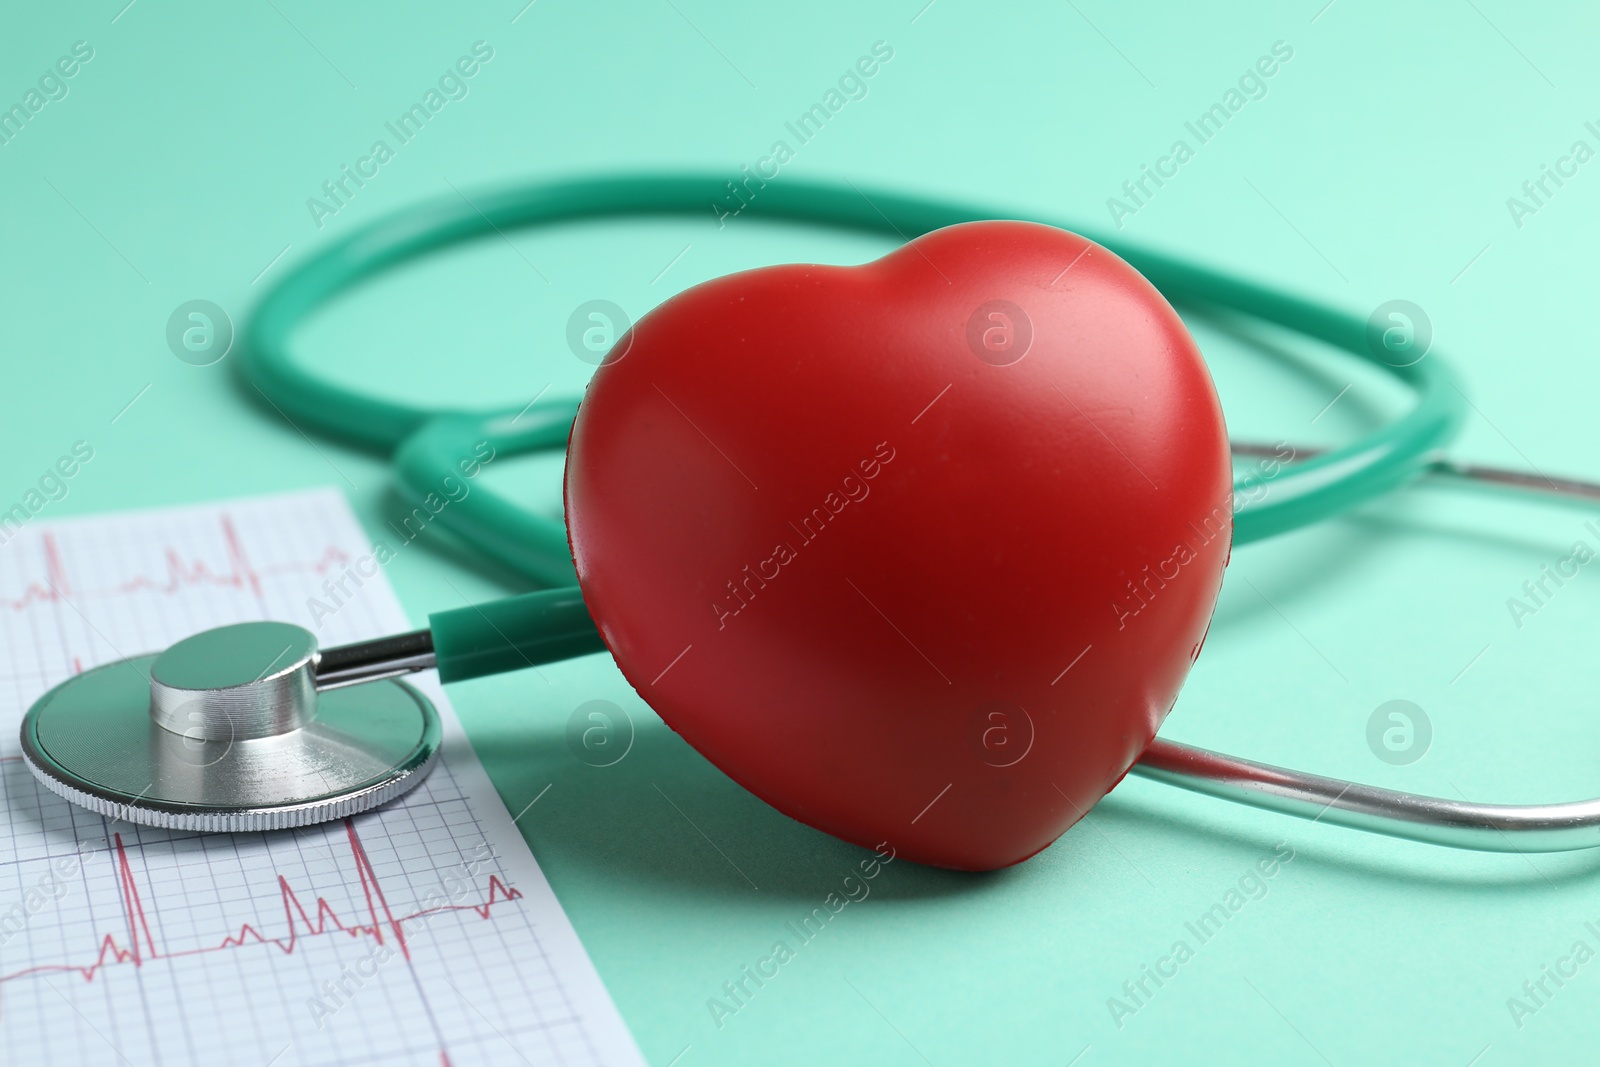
253	727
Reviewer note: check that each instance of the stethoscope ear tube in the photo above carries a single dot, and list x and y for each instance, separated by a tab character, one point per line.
1561	827
1434	820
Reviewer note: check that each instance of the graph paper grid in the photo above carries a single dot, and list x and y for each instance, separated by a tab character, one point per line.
422	933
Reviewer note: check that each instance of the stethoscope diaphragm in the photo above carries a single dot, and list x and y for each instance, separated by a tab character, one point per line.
230	731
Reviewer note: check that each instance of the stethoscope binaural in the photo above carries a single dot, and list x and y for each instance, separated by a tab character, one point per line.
252	727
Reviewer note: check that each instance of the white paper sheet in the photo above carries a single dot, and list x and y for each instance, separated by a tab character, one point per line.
423	933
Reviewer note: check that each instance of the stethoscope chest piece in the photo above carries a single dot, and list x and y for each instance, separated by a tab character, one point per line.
229	731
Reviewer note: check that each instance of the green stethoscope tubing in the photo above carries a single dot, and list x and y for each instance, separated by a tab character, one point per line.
427	443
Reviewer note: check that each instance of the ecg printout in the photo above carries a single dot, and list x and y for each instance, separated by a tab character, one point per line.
421	933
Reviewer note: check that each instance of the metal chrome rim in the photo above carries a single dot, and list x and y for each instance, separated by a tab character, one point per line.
91	739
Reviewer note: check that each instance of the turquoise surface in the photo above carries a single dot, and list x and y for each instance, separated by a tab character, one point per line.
1378	162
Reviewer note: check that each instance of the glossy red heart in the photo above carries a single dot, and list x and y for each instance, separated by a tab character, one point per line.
920	551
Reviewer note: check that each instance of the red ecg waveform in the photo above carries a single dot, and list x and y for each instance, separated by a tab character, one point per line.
238	574
382	924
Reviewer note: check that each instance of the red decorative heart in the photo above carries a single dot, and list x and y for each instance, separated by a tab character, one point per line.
920	551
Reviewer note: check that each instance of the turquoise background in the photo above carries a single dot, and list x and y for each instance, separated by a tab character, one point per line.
1377	166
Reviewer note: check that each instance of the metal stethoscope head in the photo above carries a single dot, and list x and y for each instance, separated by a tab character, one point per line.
238	728
251	727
